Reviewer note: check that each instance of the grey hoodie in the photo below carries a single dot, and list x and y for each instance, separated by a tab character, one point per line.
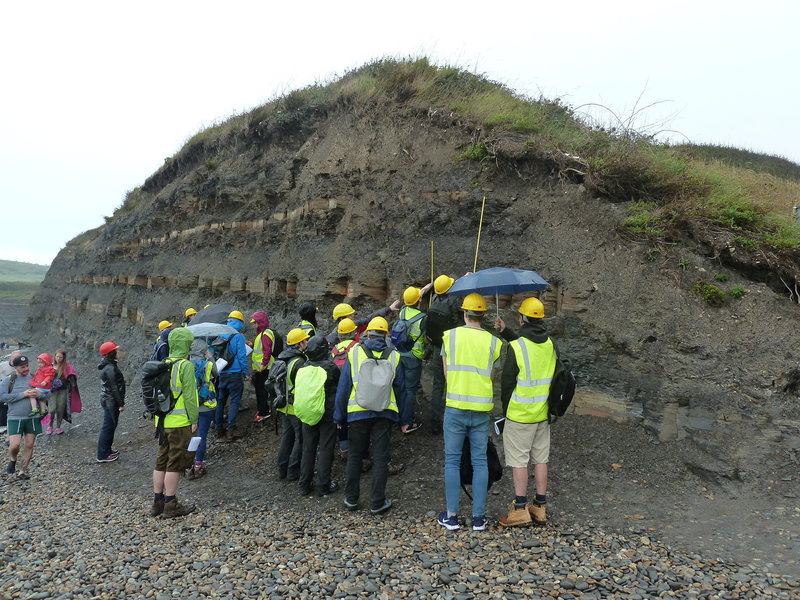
18	405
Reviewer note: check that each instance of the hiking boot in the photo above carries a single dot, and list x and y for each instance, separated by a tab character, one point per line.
349	505
199	472
12	467
158	508
449	523
176	509
516	517
538	513
479	523
189	473
333	486
234	434
222	434
387	504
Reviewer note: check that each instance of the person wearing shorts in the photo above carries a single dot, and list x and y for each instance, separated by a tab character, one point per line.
16	392
525	387
176	430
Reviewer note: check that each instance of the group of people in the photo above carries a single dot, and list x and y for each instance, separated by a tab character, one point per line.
353	385
34	403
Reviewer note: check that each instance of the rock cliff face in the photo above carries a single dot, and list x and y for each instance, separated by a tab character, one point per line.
344	205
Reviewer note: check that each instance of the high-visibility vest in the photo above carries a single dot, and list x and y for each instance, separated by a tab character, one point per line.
536	363
257	355
178	417
357	356
309	327
289	408
470	353
418	349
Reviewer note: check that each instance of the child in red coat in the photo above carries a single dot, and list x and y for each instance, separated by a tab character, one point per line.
42	381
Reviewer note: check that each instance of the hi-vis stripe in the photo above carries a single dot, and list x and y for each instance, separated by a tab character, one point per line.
177	390
452	366
526	382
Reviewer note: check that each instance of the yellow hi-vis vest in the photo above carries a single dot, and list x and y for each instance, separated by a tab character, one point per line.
257	355
289	408
537	363
357	356
178	417
416	333
470	354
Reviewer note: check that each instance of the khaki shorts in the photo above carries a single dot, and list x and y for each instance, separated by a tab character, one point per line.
172	455
526	443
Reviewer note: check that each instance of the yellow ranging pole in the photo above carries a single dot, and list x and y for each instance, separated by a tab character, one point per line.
478	244
430	296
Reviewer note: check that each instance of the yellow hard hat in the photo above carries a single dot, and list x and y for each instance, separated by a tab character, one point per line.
442	283
532	307
474	302
346	326
235	314
296	336
342	310
163	325
189	312
411	295
378	324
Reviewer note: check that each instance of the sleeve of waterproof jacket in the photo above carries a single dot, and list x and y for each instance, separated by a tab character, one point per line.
239	351
399	386
108	376
343	394
189	392
508	380
266	348
331	385
509	334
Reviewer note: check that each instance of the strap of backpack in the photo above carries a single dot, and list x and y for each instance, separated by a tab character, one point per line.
11	381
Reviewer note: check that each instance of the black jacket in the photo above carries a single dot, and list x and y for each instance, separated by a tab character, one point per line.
112	384
536	332
319	355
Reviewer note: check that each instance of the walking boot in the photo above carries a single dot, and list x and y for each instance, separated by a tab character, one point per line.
516	517
234	433
221	434
538	513
158	508
176	509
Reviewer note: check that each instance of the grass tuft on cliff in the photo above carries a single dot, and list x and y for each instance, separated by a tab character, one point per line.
742	192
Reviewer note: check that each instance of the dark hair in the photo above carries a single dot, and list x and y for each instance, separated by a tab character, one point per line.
111	355
308	311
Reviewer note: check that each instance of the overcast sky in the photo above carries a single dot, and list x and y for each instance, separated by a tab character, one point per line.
96	94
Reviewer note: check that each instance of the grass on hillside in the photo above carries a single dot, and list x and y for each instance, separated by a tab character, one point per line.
18	290
750	194
11	270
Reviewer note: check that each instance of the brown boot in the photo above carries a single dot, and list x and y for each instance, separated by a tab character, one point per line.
189	473
158	508
222	434
516	517
175	509
538	513
234	433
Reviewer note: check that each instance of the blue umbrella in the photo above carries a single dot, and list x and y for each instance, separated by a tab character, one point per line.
498	280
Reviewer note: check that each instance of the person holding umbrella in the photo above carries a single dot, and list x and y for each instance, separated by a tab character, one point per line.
469	354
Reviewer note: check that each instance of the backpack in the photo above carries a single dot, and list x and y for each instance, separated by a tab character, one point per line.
11	381
375	377
157	391
309	393
562	390
401	332
157	347
222	349
439	320
339	355
205	394
276	384
492	458
277	345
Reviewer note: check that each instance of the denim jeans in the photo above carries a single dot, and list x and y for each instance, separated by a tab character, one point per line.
412	369
291	448
204	418
459	424
106	439
231	386
436	405
368	435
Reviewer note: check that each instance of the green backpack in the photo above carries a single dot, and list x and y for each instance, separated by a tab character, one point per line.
309	394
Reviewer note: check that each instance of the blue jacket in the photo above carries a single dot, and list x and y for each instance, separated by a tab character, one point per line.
340	414
237	347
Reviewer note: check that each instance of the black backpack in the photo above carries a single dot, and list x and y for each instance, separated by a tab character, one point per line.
277	345
157	391
562	390
492	458
275	385
222	349
439	320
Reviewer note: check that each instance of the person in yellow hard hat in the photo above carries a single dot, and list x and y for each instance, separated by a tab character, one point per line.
160	347
525	386
231	378
443	314
344	310
370	411
187	317
411	358
290	450
469	354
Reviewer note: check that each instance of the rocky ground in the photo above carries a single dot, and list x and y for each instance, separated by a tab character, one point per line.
631	522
